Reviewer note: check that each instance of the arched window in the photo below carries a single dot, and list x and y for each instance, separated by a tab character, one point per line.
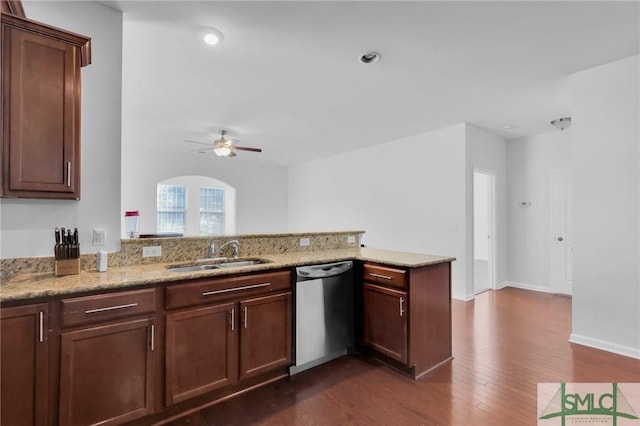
196	205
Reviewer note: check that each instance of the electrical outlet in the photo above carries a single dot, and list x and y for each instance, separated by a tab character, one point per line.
305	242
152	251
99	237
351	239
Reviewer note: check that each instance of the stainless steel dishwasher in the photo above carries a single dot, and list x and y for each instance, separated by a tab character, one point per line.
324	314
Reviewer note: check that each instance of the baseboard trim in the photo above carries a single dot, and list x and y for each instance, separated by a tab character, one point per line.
464	298
605	346
524	286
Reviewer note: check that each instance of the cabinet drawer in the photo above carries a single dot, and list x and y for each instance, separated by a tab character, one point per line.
385	275
211	290
105	307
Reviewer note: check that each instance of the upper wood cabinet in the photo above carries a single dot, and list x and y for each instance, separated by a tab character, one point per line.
41	109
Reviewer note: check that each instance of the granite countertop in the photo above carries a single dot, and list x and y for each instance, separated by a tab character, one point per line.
34	286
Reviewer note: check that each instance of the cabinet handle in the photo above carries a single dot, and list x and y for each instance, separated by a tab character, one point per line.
153	336
41	326
110	308
401	307
384	277
233	319
227	290
245	317
68	174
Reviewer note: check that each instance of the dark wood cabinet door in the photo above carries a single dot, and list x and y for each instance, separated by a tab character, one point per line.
265	334
41	114
24	365
201	351
385	321
106	373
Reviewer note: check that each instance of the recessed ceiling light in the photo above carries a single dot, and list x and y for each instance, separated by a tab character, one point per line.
370	57
507	127
212	36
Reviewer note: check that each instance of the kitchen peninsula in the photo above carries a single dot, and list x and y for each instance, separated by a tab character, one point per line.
176	342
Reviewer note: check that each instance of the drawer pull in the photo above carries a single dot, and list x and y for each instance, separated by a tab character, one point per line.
401	307
228	290
41	326
384	277
245	317
111	308
153	336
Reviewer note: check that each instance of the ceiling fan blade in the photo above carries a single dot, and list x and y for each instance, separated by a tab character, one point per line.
246	148
199	143
201	150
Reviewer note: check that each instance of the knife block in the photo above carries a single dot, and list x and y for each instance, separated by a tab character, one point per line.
67	267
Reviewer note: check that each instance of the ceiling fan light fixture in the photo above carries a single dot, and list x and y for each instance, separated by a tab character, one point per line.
222	151
212	36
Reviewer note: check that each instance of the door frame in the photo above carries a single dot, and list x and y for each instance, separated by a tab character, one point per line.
491	204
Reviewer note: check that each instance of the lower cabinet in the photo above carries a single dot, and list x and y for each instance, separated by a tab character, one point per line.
385	321
24	365
221	331
201	351
265	335
219	345
108	354
112	358
407	315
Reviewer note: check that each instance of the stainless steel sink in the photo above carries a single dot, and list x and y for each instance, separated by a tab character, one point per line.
192	268
237	263
231	263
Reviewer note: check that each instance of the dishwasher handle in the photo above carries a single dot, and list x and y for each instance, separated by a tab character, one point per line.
323	271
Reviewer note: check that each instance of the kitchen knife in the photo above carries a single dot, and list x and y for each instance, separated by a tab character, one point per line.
76	244
56	250
63	243
69	243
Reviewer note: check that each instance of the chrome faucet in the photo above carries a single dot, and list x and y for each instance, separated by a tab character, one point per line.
235	245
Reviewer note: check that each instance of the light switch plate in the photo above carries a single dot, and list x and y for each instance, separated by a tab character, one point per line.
152	251
305	242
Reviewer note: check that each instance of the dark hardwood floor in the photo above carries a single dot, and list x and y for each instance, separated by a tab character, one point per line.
504	343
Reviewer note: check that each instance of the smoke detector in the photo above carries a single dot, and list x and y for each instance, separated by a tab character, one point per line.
562	123
370	58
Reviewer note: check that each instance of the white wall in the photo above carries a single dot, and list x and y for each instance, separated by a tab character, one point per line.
488	152
530	162
27	225
606	163
407	194
261	190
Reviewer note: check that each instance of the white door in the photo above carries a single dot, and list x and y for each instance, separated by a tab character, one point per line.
483	223
561	264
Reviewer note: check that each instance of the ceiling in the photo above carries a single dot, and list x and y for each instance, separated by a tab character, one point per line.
287	76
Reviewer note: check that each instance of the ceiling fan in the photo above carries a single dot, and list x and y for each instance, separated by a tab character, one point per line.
224	147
